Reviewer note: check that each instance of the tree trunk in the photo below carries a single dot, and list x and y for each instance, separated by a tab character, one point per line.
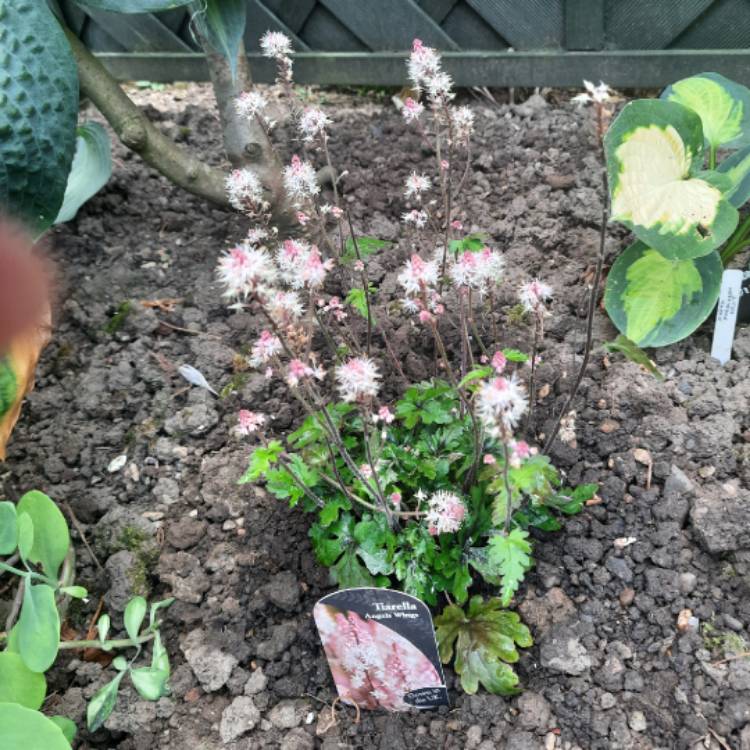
245	141
137	132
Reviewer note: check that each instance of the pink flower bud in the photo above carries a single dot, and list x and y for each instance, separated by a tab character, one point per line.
489	459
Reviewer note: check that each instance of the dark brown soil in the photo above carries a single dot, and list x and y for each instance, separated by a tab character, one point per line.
610	669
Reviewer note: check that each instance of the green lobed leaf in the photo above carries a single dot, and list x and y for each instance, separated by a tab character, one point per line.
510	556
18	684
348	572
473	243
222	24
722	105
24	728
51	536
90	170
261	460
367	246
484	637
103	702
8	528
8	382
38	627
135	612
655	301
634	353
654	153
513	355
38	113
358	300
133	6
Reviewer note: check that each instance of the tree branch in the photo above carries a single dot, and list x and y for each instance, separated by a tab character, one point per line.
136	132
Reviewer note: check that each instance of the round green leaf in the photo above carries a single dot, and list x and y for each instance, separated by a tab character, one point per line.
8	528
25	536
150	683
654	153
8	380
77	592
18	684
38	112
722	105
22	727
90	171
66	726
135	611
51	536
133	6
38	627
656	301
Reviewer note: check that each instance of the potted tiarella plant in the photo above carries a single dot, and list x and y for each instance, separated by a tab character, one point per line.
434	490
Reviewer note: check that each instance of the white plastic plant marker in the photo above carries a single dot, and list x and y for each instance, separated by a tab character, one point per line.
381	648
726	315
196	377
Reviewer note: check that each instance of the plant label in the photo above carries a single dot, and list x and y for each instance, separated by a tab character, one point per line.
381	648
726	315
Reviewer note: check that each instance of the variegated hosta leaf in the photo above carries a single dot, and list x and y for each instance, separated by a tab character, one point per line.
737	168
654	156
656	301
722	105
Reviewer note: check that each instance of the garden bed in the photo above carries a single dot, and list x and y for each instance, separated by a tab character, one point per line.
610	667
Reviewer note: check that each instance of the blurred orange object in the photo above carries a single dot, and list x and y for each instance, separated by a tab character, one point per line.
25	322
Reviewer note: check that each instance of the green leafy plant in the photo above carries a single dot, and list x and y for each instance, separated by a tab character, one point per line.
484	637
682	205
35	541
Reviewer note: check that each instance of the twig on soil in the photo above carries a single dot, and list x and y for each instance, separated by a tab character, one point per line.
187	330
733	657
79	529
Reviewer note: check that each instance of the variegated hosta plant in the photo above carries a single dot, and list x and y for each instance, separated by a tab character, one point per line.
683	206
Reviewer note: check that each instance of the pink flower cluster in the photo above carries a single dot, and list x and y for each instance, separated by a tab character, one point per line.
264	349
249	422
445	513
426	73
373	666
477	271
302	265
250	103
300	180
244	190
419	280
501	402
245	269
358	379
278	46
312	124
298	371
416	184
534	296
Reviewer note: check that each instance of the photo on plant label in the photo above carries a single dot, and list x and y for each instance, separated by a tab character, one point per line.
381	649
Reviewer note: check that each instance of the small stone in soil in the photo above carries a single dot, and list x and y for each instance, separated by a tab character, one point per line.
238	718
211	665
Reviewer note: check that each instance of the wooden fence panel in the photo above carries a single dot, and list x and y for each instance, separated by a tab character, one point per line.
518	42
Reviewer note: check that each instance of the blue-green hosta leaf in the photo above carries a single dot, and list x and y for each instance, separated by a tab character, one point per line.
655	301
18	684
51	536
133	6
22	727
38	112
722	105
222	24
8	528
90	171
737	168
38	627
654	160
